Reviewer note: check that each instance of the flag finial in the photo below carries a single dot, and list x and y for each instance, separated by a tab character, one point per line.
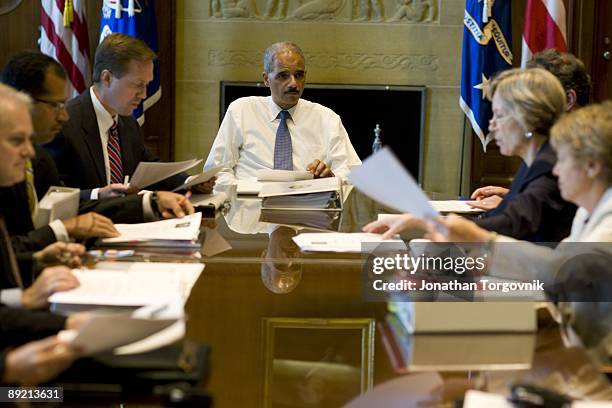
68	13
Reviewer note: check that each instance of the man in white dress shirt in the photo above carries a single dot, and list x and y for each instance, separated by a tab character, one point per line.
281	131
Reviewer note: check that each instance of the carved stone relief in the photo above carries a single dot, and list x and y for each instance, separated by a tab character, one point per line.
354	61
391	11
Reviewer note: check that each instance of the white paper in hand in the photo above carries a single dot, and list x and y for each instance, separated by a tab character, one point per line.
105	332
148	173
200	178
399	189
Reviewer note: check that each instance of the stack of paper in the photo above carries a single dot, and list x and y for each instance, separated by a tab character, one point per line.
343	242
173	232
130	284
323	194
315	219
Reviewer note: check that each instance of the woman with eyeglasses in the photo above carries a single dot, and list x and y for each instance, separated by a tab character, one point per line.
526	103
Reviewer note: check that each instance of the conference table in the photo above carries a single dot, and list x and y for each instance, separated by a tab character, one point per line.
290	329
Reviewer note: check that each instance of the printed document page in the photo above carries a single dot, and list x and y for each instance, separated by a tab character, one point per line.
301	187
283	175
131	284
383	178
343	241
200	178
177	229
148	173
454	206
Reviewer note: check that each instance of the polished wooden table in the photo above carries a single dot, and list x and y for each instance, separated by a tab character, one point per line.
289	329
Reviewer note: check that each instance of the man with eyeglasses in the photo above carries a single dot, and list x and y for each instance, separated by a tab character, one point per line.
44	80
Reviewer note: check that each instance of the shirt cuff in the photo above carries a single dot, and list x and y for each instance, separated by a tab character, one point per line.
11	297
147	210
60	231
94	194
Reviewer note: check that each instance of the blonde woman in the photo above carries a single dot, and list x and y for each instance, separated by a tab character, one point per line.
526	103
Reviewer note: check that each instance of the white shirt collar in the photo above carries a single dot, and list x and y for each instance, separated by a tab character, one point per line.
105	119
275	109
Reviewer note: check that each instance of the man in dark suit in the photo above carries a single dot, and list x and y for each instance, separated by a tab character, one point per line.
102	142
45	81
37	360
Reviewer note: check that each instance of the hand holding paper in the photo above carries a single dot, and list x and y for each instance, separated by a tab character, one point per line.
201	178
148	173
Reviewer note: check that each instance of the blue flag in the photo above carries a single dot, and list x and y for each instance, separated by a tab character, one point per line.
487	49
135	18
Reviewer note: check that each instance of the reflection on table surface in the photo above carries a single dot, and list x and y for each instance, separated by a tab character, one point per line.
289	329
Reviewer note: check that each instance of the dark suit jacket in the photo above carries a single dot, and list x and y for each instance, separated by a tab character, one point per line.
77	150
121	209
533	210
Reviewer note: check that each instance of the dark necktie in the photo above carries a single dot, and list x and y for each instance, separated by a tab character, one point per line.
283	153
114	155
7	250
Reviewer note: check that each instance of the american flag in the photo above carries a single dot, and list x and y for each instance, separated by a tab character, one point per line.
64	37
545	27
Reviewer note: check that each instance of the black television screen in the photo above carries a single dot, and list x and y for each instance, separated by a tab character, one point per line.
399	110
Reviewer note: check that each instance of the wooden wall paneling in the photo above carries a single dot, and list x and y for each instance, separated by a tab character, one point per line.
19	29
602	51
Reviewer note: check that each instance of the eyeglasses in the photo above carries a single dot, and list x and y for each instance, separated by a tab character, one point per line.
57	106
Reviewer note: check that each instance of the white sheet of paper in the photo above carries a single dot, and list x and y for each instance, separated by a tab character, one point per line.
249	186
282	188
179	229
148	173
200	178
478	399
341	241
107	331
282	175
165	337
454	206
131	284
383	178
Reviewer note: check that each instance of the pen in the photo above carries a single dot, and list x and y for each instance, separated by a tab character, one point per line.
126	180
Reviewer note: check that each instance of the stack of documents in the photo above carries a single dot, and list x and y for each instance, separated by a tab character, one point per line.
344	242
130	284
321	194
453	352
315	219
180	232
